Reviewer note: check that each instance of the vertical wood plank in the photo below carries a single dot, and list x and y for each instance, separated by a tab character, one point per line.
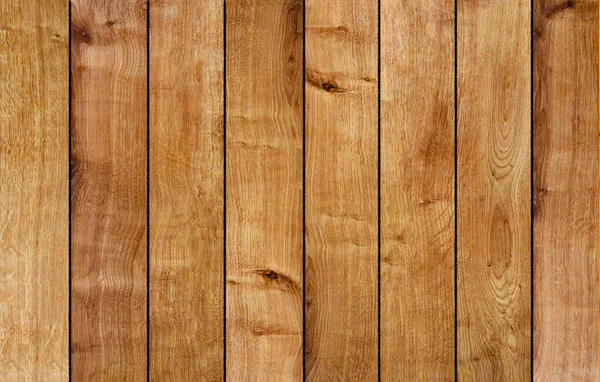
494	190
341	190
108	175
417	190
186	195
566	190
264	190
34	168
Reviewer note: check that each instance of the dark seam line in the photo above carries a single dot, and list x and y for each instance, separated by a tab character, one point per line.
379	190
224	190
456	190
304	190
531	210
148	190
70	239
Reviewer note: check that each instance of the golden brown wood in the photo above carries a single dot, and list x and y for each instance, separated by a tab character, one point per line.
34	176
417	190
566	191
341	190
108	197
186	195
494	190
264	190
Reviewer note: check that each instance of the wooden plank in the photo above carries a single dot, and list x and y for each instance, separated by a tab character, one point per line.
108	184
34	168
186	190
417	190
494	190
566	294
264	190
341	190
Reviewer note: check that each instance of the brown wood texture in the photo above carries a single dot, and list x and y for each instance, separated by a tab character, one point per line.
108	184
566	191
341	190
417	190
494	229
264	190
186	190
34	170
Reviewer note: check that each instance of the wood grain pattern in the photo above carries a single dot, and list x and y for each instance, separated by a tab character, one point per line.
264	190
417	190
34	168
108	170
494	190
566	294
341	190
186	190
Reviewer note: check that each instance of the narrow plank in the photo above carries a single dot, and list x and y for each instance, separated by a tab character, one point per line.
186	190
417	190
108	184
494	235
566	293
264	190
34	168
341	190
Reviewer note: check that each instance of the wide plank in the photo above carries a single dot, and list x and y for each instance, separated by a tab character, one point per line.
34	180
341	190
494	227
264	190
108	184
417	190
186	190
566	297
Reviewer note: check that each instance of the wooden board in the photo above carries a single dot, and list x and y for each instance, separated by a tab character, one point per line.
34	170
566	191
494	229
341	190
417	190
186	190
108	180
264	190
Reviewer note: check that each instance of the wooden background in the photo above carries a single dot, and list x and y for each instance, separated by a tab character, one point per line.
287	190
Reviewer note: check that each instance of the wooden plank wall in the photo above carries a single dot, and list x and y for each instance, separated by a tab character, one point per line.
299	190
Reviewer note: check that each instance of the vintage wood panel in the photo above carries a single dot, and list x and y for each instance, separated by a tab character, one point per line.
264	189
186	190
34	179
417	190
494	228
108	180
341	190
566	190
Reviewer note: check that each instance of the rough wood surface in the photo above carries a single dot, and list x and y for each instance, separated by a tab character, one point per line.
566	191
108	175
186	190
264	190
34	170
417	190
341	190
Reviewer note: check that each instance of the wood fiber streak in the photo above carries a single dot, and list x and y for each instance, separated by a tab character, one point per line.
417	190
108	180
494	190
341	190
34	167
566	191
186	190
264	190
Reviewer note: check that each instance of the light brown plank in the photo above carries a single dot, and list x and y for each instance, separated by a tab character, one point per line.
186	190
417	190
494	190
34	176
264	190
566	191
341	190
108	197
